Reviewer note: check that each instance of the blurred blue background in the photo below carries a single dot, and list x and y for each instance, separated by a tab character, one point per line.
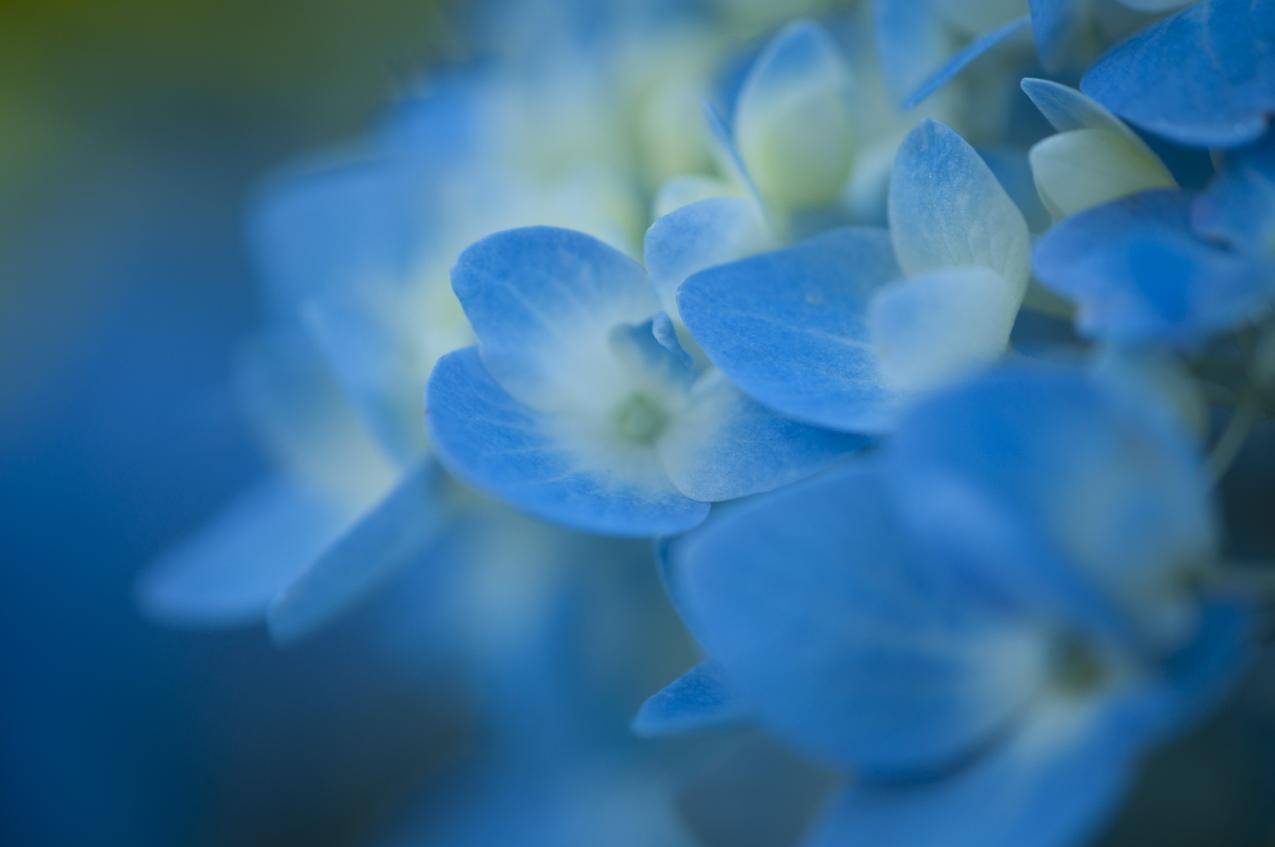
131	134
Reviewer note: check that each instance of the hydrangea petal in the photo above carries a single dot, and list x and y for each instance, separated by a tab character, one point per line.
305	419
862	655
488	439
790	327
707	233
946	208
393	535
1066	108
331	225
698	699
912	41
726	152
793	120
358	330
964	58
1057	26
1008	796
932	328
1083	168
229	571
725	445
1205	76
1138	274
541	296
1037	474
1239	206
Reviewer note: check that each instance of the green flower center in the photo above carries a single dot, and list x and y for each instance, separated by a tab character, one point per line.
639	419
1076	667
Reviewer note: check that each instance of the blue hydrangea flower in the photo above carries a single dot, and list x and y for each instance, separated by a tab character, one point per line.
581	408
354	250
1138	273
836	329
976	624
1205	76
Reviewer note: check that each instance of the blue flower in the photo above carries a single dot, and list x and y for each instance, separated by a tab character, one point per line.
1138	274
991	622
1204	77
837	329
580	407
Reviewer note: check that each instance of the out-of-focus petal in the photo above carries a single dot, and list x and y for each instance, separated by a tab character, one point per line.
697	699
1067	492
842	640
395	534
1239	206
228	572
1138	274
793	119
931	328
964	58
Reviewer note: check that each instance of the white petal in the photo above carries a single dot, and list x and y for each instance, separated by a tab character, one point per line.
1083	168
932	328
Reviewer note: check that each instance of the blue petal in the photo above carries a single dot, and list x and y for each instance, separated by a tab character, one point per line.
725	445
726	151
1067	109
707	233
1065	491
1204	77
367	350
698	699
653	346
933	327
946	208
306	420
228	572
963	59
912	41
790	327
332	225
1007	797
392	536
1057	25
490	440
842	640
541	298
1138	274
1239	206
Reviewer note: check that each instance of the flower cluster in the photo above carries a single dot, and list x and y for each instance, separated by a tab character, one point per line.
952	331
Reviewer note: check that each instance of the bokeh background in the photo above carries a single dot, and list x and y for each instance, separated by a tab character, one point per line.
132	134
